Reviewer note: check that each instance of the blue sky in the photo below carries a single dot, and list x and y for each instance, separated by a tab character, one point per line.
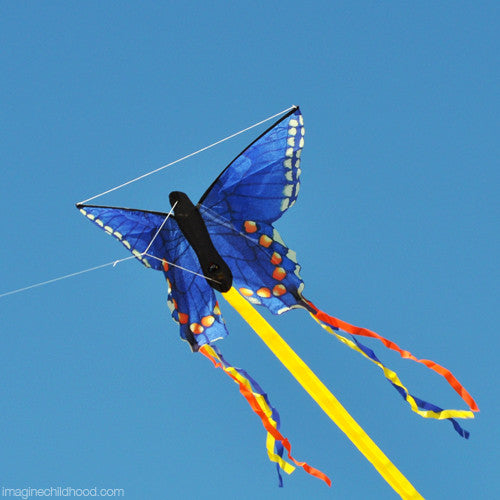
396	229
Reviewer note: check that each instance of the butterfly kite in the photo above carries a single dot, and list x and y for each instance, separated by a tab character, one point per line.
227	242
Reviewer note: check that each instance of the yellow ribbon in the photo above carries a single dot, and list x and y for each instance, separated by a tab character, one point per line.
240	379
320	393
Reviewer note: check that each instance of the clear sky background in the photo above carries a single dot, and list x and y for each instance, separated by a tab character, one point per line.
396	229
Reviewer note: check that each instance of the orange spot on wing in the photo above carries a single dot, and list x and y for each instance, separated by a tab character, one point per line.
265	241
279	290
183	318
196	328
207	321
279	273
175	303
250	226
264	292
216	308
246	292
276	259
165	265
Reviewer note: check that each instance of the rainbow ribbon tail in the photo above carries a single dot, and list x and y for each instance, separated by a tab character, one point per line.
419	406
259	402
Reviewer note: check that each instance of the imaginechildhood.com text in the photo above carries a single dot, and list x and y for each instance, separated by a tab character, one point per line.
61	491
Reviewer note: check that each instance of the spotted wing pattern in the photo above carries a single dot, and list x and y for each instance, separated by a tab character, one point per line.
190	298
240	206
265	270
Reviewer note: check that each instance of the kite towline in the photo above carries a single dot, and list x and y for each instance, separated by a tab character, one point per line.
113	263
60	278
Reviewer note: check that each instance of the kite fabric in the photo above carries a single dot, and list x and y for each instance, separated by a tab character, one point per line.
235	219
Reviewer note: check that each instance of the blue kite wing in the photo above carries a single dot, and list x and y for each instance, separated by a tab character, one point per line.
190	298
264	179
265	271
238	208
134	229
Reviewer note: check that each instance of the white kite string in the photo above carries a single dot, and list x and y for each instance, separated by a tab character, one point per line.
115	262
182	268
163	260
66	276
160	228
185	157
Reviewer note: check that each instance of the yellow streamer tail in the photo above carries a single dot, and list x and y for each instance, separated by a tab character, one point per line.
320	393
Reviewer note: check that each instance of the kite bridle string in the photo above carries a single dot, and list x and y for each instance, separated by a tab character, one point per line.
163	260
159	229
224	221
180	267
186	157
112	263
115	262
